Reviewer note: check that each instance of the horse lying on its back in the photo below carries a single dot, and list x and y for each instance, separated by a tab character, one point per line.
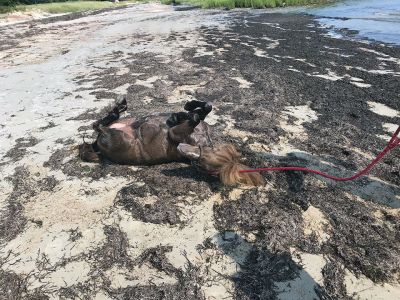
163	138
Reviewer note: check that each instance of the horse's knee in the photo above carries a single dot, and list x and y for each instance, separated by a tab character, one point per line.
182	132
177	118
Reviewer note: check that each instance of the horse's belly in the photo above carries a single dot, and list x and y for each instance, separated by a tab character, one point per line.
124	127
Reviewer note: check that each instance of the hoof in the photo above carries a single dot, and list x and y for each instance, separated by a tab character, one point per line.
172	120
194	119
122	104
192	105
207	108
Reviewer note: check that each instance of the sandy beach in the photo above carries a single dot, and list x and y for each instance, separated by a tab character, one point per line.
284	92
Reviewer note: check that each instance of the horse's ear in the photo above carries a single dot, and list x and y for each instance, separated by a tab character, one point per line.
189	151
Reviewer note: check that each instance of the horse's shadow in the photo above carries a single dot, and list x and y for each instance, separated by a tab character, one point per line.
367	187
190	172
262	274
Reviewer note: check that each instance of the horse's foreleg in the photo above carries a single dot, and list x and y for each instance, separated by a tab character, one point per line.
181	133
199	107
177	118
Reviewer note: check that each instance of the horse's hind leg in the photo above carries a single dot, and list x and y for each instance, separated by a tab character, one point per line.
91	152
113	115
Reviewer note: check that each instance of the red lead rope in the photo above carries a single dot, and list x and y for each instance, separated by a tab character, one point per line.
393	143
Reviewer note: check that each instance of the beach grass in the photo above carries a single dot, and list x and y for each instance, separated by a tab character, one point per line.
63	7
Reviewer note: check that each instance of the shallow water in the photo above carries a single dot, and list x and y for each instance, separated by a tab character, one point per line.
374	19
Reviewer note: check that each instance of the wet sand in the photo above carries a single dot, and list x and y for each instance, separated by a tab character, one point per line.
284	92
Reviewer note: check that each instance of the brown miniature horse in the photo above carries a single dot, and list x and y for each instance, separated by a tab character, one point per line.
163	138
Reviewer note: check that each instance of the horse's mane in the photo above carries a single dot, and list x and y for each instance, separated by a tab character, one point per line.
226	159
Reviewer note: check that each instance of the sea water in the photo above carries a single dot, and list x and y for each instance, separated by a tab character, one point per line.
373	19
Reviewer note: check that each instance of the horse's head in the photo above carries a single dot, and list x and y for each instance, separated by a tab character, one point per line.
223	161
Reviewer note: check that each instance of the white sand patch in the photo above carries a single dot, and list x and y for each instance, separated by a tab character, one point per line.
384	137
378	72
273	43
294	70
122	71
303	286
68	275
391	59
69	202
212	262
218	266
303	60
390	127
263	192
273	25
24	16
236	193
232	131
219	291
139	275
148	82
202	51
261	53
314	221
65	208
184	93
341	54
220	51
383	110
213	118
280	149
147	100
227	264
355	79
360	84
302	114
364	288
122	89
332	76
374	52
101	296
259	147
6	189
332	48
146	235
362	153
243	83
